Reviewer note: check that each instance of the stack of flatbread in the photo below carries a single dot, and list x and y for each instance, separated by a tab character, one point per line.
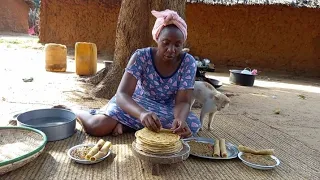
158	143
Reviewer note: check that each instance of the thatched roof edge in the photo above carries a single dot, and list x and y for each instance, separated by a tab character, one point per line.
293	3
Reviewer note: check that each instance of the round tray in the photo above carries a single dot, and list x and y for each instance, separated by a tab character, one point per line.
163	159
257	166
83	161
232	150
19	146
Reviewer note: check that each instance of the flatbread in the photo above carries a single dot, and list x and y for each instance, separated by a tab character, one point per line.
246	149
175	146
223	148
160	151
216	148
159	143
155	144
165	137
141	148
140	141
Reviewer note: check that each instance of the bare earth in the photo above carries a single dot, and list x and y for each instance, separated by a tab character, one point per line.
296	99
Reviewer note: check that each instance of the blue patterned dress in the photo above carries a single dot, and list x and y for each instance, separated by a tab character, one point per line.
155	92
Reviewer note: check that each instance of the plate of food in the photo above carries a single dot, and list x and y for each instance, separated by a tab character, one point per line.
90	153
259	159
211	148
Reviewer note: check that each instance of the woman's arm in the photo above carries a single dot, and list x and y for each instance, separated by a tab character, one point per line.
125	102
182	104
181	112
183	98
125	91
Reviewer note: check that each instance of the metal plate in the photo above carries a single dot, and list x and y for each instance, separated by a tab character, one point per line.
257	166
86	161
232	150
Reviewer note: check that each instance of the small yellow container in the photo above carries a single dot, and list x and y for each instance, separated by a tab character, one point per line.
86	58
56	57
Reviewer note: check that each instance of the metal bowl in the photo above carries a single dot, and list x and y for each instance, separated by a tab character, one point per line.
57	124
236	77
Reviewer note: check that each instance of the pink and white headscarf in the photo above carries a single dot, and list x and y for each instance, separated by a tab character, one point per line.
165	18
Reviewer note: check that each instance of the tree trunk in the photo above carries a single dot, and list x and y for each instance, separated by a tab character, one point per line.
133	32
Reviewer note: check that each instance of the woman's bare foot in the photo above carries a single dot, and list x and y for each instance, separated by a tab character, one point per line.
96	125
118	130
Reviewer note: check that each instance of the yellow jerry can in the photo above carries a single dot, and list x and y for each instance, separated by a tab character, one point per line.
55	57
86	58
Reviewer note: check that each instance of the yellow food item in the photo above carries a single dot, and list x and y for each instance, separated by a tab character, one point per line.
102	152
94	150
97	156
246	149
55	57
223	149
163	137
100	143
105	148
216	148
162	142
155	149
86	58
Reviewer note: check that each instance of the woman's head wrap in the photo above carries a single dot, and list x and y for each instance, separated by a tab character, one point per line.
165	18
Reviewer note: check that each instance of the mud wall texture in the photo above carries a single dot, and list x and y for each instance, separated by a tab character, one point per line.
71	21
14	16
269	37
263	37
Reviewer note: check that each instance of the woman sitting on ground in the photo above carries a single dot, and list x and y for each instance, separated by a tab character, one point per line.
156	88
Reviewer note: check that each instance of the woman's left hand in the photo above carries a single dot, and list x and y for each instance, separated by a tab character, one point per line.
180	127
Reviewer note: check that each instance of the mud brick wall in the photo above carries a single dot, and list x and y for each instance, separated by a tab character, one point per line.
269	37
70	21
263	37
14	16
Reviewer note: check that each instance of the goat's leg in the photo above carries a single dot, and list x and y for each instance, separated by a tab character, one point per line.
211	116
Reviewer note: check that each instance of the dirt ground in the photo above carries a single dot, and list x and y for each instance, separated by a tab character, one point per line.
296	99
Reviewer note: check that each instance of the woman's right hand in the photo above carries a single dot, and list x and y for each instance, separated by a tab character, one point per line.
151	121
